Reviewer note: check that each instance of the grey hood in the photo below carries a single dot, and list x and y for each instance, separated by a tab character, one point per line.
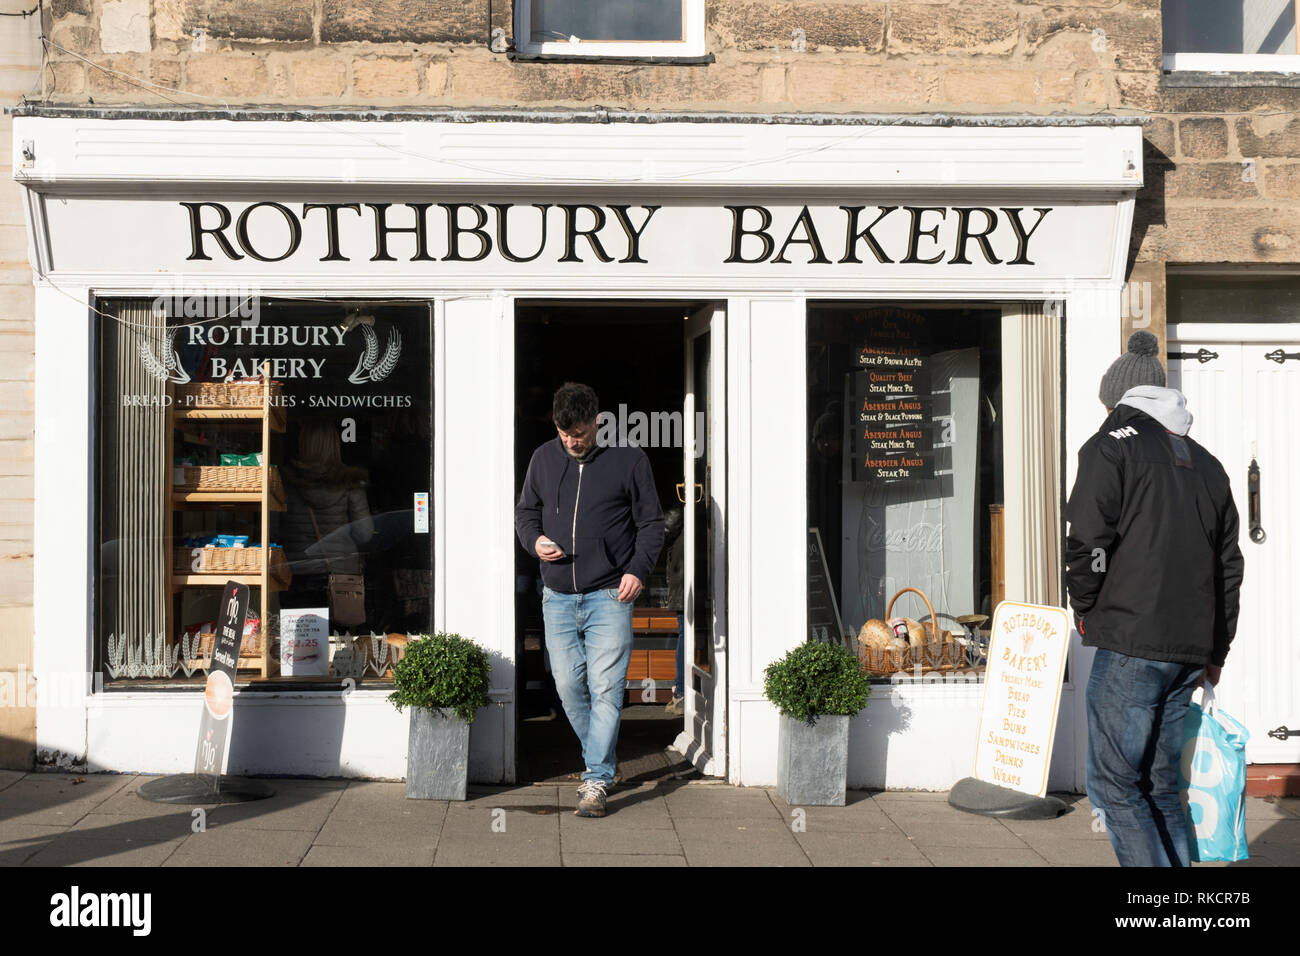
1168	406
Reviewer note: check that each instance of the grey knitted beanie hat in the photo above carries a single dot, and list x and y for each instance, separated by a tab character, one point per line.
1140	365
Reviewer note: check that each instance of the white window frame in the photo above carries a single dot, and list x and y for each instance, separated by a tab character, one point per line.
1232	62
691	45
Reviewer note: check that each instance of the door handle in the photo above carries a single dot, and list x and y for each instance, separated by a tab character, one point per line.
1252	497
1278	356
681	492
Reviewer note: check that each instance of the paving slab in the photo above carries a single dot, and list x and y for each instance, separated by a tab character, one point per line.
8	777
860	813
242	846
1257	808
619	859
982	856
732	841
174	824
472	837
382	801
594	837
291	808
1074	852
365	832
19	843
524	797
989	836
713	801
57	799
399	855
71	851
860	849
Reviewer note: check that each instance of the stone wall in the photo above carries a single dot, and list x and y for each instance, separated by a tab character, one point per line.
1085	55
19	74
1223	163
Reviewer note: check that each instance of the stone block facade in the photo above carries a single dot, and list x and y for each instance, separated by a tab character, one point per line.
1206	147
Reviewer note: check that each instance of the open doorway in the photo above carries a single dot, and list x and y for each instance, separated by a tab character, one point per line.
633	354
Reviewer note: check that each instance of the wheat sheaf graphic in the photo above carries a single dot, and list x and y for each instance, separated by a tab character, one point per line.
168	368
370	366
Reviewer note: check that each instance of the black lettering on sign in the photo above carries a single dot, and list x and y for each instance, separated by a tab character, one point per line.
455	230
1022	237
964	234
809	239
332	226
739	232
245	243
197	231
382	229
572	232
503	225
855	235
914	236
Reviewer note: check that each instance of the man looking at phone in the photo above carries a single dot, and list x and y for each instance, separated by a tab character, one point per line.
592	515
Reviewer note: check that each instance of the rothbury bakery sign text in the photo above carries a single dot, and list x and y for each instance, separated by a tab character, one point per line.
582	232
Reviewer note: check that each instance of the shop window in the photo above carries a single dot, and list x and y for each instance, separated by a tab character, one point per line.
924	472
284	444
617	28
1230	35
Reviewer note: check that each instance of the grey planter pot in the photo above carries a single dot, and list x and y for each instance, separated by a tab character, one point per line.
437	755
812	766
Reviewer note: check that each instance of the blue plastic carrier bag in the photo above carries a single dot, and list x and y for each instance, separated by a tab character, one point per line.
1213	782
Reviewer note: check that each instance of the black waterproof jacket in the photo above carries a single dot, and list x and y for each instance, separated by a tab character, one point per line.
603	512
1153	567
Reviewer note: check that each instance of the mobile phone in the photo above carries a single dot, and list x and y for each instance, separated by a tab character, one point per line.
548	545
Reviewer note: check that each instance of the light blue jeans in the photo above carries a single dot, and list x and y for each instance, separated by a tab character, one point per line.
589	640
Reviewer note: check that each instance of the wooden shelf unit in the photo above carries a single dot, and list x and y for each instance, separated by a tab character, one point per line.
270	416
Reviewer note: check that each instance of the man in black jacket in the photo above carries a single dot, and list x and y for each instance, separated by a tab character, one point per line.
1153	570
592	515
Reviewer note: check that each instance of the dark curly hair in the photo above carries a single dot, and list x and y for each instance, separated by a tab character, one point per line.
574	404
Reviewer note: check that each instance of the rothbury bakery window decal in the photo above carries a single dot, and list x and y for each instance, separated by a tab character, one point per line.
281	443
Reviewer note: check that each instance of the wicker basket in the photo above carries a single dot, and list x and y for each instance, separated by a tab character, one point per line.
883	660
217	561
220	479
938	649
242	395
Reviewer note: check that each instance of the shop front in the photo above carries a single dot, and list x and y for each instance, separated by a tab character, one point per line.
314	355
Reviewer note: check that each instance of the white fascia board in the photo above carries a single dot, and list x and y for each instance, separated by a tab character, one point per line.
71	151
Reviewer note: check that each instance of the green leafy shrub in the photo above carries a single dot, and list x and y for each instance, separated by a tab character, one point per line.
443	670
815	679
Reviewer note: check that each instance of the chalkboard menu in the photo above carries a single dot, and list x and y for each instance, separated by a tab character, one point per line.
823	612
891	434
891	429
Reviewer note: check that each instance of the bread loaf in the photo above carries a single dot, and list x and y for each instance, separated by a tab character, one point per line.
875	634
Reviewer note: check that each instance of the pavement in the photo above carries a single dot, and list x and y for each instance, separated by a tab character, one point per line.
60	819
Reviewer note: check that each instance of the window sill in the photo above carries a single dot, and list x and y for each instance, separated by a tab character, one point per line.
702	60
1201	79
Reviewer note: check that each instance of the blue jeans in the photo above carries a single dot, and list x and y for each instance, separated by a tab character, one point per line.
1136	712
589	639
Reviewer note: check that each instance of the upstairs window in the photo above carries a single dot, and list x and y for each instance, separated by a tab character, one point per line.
611	28
1230	35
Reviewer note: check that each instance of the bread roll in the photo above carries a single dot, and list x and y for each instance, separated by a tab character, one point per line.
875	634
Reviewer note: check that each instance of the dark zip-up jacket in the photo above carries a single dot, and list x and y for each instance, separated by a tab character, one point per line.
603	512
1153	566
